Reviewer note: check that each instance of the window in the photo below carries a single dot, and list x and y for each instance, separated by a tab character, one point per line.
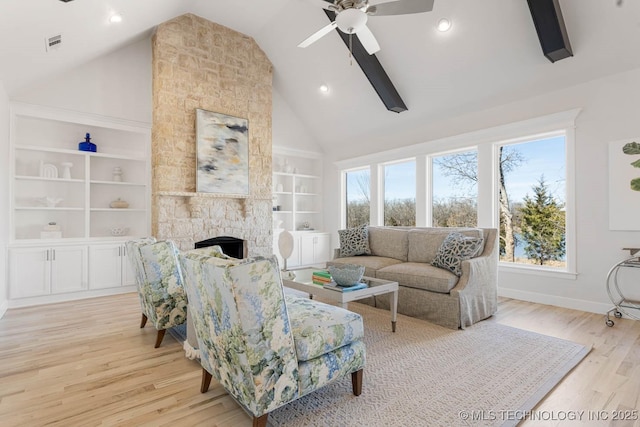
358	199
454	182
532	198
400	193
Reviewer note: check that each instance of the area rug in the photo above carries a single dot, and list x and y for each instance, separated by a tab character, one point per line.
426	375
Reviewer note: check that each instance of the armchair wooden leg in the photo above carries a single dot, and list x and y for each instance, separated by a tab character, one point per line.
260	421
143	321
160	337
206	381
356	382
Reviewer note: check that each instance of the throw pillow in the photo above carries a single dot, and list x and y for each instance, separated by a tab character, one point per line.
454	249
354	241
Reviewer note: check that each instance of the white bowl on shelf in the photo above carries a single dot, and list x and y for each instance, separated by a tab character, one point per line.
119	231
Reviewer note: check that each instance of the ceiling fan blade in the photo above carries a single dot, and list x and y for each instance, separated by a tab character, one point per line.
368	40
318	34
401	7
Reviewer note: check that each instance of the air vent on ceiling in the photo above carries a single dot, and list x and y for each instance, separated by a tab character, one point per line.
52	43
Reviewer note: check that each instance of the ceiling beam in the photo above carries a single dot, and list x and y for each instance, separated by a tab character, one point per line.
373	70
552	33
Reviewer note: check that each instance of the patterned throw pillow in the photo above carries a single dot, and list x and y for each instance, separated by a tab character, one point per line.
456	248
354	241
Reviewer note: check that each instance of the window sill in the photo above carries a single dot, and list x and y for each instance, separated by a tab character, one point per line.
536	271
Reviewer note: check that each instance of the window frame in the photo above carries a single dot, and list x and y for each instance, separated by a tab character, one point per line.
486	142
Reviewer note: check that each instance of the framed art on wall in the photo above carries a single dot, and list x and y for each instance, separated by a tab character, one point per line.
222	150
624	185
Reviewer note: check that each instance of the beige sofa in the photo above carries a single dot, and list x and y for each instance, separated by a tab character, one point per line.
435	294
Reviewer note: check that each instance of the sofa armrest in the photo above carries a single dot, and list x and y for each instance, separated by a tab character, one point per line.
477	288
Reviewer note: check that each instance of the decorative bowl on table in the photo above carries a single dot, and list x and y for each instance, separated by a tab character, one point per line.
346	274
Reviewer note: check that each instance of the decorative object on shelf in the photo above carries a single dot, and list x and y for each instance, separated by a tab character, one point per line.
346	274
119	204
51	202
87	145
47	170
305	226
222	149
117	174
66	170
51	231
285	246
119	231
286	167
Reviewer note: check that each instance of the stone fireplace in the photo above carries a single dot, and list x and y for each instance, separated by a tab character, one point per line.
200	64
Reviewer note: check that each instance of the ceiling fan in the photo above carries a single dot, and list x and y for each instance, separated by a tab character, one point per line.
352	16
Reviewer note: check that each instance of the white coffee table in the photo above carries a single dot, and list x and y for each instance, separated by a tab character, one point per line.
303	283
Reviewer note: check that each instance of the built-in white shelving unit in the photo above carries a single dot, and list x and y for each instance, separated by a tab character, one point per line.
297	202
52	181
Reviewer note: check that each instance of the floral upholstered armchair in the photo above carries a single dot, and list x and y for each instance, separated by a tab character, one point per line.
159	282
264	348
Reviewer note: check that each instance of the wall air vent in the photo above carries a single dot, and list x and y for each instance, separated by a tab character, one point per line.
53	43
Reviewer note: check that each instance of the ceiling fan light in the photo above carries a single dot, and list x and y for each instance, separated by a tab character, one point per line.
350	21
444	25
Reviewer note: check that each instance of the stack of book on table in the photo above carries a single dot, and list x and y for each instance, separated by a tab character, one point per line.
324	279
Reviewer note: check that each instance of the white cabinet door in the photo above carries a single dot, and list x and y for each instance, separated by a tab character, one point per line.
128	275
315	248
307	241
29	272
68	268
105	266
322	248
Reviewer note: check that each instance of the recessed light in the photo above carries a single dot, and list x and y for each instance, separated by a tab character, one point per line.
324	88
444	25
115	18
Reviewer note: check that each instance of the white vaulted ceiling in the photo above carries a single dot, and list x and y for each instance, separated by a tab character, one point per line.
490	57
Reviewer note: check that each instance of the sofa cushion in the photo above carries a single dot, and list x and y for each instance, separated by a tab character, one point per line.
389	242
319	328
455	249
419	275
354	241
371	263
424	243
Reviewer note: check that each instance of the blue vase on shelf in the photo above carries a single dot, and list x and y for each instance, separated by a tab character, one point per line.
87	145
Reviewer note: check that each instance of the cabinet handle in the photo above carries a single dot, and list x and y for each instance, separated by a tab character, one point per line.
47	259
119	250
124	251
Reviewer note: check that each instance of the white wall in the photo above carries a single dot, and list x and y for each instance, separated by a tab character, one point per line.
610	112
115	85
287	128
4	197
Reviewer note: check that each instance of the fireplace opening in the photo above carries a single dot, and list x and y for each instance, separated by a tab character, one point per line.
230	245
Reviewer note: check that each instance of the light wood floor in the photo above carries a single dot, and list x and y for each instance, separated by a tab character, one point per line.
86	363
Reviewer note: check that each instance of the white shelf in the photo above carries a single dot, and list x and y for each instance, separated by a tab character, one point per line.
134	184
117	209
41	178
42	135
45	208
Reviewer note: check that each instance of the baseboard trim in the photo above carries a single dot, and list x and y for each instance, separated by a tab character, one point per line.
52	299
558	301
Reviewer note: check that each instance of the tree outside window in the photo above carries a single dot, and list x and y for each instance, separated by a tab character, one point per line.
400	194
455	190
358	197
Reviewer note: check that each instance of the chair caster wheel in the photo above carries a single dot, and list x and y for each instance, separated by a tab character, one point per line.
617	314
610	322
